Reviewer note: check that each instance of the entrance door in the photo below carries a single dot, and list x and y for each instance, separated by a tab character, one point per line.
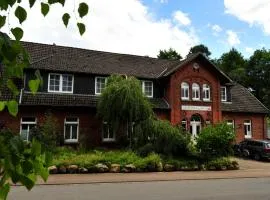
195	125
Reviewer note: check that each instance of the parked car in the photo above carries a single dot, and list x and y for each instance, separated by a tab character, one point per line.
257	149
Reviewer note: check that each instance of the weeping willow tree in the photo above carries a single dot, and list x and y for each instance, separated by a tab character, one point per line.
122	102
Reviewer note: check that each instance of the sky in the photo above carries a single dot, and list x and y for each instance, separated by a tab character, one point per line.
143	27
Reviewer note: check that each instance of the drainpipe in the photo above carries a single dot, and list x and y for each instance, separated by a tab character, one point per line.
20	100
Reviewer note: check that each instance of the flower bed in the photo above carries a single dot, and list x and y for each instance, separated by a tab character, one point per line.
68	161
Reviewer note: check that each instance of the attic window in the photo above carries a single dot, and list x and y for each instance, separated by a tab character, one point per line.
223	93
60	83
147	88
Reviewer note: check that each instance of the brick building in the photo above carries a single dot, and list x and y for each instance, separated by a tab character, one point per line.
192	92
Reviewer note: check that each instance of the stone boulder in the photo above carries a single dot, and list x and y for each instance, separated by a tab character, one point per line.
115	168
160	167
169	168
129	168
72	169
62	170
83	170
101	168
53	169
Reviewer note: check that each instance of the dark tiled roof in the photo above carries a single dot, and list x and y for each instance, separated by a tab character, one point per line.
52	99
69	59
243	101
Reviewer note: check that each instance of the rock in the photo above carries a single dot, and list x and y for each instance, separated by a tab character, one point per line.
115	168
212	168
202	167
53	169
125	170
223	168
101	168
169	167
83	170
62	170
72	169
160	167
130	168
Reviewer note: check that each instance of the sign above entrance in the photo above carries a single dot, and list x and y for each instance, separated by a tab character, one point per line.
196	108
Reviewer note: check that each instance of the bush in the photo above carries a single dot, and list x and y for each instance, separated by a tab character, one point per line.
215	141
164	138
47	133
221	163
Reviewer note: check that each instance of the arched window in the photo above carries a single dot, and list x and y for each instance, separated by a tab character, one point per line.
206	92
195	92
184	91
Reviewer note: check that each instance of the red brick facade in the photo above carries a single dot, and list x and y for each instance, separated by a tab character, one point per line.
90	127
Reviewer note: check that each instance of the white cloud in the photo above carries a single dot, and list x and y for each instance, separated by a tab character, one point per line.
216	28
232	38
249	50
123	26
181	18
250	11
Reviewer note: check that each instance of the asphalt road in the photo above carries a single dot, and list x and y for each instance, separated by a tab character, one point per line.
218	189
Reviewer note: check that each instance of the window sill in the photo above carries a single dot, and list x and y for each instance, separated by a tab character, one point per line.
206	100
185	99
108	140
248	136
59	92
71	141
196	100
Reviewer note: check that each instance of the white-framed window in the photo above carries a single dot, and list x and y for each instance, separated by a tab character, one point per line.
107	133
184	124
184	91
195	92
100	84
247	129
223	93
27	124
147	88
60	83
230	122
206	92
71	130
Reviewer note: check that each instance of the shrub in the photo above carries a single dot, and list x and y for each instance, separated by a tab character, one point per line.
146	149
165	138
221	163
47	133
215	141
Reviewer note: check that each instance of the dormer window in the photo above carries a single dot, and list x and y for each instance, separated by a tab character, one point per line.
206	92
147	88
223	93
195	92
184	91
62	83
100	83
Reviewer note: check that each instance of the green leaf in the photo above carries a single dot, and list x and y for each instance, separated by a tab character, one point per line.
17	32
21	14
31	3
12	87
83	9
66	18
2	105
81	28
34	85
44	173
57	1
36	148
12	107
44	8
2	20
4	191
27	181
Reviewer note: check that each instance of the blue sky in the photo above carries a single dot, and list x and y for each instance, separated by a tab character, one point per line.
143	27
204	14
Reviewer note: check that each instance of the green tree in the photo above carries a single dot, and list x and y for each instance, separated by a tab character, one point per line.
20	161
122	102
170	54
258	75
234	65
200	49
